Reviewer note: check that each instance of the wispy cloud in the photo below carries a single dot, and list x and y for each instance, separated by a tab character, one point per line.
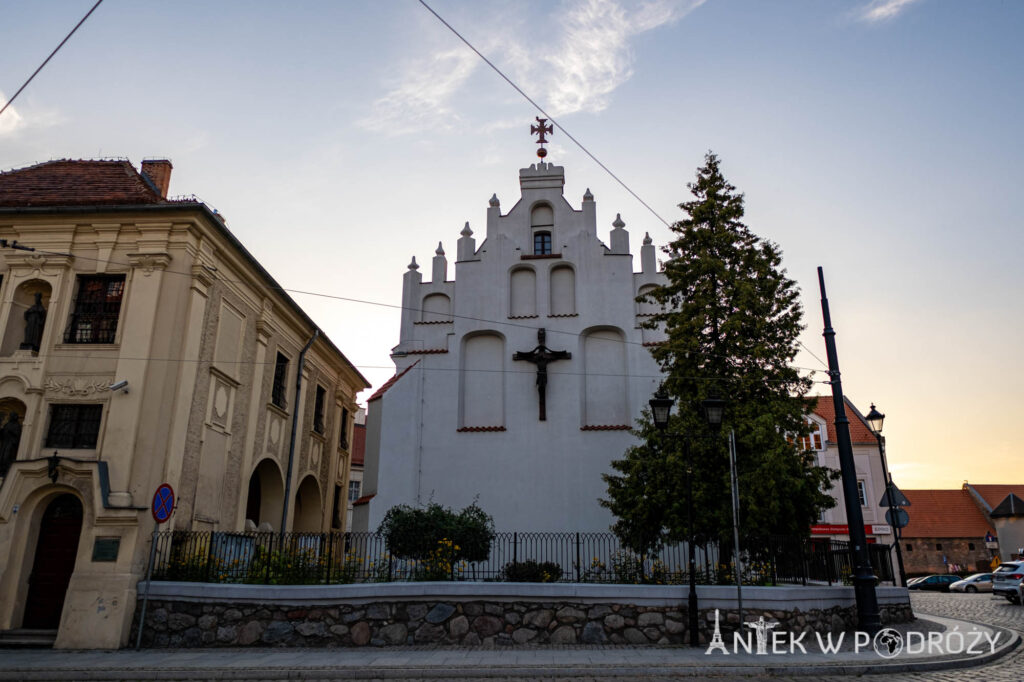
883	10
582	63
422	97
16	121
10	120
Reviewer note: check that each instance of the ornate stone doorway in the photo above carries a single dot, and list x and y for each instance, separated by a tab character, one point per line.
54	563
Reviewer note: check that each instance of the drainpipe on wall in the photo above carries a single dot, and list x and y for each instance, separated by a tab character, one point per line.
295	428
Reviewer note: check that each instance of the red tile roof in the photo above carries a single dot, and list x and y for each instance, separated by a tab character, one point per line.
860	434
944	514
69	182
358	445
994	493
390	382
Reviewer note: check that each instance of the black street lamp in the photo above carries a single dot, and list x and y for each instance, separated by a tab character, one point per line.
875	420
661	406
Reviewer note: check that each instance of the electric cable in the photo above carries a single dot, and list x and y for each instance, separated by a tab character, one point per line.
546	114
347	299
46	61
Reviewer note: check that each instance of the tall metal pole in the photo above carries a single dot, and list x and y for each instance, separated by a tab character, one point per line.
692	603
863	579
734	480
892	509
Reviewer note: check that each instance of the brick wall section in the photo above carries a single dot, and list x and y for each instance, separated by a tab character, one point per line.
474	623
925	559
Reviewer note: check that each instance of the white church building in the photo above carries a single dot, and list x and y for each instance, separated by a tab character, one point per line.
518	378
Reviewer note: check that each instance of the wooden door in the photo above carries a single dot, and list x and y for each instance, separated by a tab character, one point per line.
54	563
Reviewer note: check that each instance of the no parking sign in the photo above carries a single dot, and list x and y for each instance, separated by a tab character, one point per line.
163	503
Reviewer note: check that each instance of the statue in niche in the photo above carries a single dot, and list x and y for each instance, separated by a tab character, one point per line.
10	437
35	318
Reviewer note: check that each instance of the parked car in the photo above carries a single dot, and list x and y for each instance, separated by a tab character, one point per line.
911	581
935	583
979	582
1006	578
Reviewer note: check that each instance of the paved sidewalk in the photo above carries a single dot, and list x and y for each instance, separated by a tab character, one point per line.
562	663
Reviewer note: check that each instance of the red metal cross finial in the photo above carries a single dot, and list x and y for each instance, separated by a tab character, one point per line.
541	129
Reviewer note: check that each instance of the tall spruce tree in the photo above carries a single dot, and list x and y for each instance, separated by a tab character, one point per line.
732	319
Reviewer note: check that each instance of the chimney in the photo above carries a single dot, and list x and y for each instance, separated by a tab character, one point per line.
158	171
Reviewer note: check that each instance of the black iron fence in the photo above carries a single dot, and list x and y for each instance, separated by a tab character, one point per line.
336	558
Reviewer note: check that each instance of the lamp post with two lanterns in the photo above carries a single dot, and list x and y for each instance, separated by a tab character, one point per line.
714	408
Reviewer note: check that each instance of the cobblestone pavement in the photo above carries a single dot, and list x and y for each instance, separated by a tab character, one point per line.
980	608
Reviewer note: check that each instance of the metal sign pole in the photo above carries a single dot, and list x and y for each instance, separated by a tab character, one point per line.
149	577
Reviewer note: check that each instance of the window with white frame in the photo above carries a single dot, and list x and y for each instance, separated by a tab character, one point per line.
862	493
353	490
815	440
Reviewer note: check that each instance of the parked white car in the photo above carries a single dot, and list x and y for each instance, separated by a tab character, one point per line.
979	582
1006	579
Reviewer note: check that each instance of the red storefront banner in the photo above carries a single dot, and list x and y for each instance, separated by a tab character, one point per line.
837	529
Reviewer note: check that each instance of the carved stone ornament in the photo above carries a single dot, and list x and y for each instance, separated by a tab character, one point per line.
147	262
36	264
77	387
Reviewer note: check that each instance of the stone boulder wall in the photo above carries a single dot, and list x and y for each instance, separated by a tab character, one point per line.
182	622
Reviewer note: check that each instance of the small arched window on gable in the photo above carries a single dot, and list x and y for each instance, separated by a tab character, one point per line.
542	224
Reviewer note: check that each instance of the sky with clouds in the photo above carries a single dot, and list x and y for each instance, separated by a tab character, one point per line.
879	139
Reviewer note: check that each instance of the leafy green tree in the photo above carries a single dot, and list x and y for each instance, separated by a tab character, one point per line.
732	320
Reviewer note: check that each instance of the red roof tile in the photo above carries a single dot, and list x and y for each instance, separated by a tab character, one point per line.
860	434
358	445
76	183
994	493
944	514
390	382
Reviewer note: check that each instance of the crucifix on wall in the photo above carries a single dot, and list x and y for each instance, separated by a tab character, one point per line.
541	356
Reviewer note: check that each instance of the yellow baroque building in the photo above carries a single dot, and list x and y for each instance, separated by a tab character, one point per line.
140	344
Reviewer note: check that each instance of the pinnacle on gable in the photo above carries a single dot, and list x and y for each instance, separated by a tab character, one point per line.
618	221
494	202
466	232
414	265
440	250
647	239
587	196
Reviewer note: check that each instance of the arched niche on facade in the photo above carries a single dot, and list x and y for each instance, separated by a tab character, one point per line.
605	386
563	290
542	229
522	287
437	308
482	380
647	307
308	506
265	499
12	420
23	299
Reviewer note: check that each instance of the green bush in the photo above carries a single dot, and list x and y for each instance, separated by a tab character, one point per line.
531	572
413	533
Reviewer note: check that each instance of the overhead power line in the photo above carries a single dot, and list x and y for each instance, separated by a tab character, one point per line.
55	50
508	323
546	114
